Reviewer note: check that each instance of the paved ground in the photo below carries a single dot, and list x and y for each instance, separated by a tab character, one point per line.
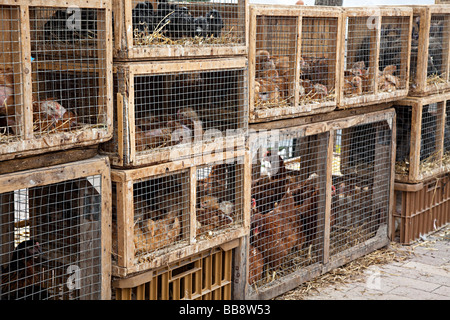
423	275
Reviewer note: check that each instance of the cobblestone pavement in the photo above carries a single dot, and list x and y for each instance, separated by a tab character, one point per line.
423	275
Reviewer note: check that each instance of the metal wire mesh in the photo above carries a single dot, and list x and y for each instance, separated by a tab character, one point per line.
431	135
10	74
68	69
51	241
318	61
219	194
447	131
403	138
185	108
437	60
218	23
288	200
393	55
275	60
361	179
359	57
161	213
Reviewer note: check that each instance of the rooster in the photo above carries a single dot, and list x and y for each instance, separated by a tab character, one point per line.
256	265
20	280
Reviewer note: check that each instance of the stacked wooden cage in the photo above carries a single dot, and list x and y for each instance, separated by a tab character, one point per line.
55	68
55	109
172	29
430	46
375	55
178	146
293	58
321	196
55	225
171	110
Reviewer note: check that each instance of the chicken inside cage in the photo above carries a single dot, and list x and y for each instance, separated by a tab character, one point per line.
439	35
430	138
68	72
318	60
51	241
361	55
165	22
10	74
287	207
446	158
219	197
184	108
360	197
275	60
161	213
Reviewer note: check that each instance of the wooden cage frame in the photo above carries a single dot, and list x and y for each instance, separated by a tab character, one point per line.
98	165
28	144
416	103
125	50
421	87
328	262
127	155
124	179
376	97
276	113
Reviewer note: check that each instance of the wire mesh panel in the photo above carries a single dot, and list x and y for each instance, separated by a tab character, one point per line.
165	212
362	164
430	44
220	196
288	205
155	29
56	90
375	51
421	130
10	75
293	61
174	115
53	236
204	276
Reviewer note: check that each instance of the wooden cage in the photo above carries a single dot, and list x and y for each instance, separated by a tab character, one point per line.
165	212
293	61
174	110
423	141
55	77
375	55
420	208
321	196
55	239
206	275
157	30
430	47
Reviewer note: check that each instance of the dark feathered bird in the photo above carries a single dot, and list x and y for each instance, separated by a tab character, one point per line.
143	17
215	23
70	25
201	27
19	276
181	23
